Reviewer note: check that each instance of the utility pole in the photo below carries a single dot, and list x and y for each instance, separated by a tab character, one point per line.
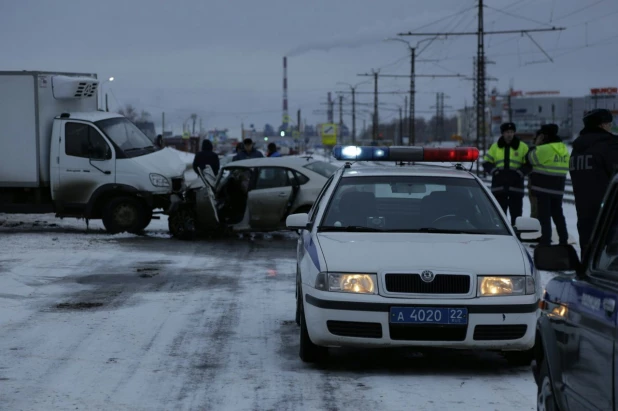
340	112
411	119
300	139
163	124
480	66
330	108
400	126
439	122
353	115
376	121
435	128
405	110
480	78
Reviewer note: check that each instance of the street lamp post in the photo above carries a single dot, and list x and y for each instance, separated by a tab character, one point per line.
353	89
109	80
413	55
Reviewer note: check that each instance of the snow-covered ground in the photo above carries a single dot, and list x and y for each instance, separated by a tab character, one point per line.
100	322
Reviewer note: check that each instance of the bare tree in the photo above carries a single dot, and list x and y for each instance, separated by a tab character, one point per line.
129	112
144	116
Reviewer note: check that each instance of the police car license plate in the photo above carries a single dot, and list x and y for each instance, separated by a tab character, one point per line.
429	315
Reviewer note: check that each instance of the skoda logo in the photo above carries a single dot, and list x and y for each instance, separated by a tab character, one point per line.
427	276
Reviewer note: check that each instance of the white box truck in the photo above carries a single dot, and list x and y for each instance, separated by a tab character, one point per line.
60	154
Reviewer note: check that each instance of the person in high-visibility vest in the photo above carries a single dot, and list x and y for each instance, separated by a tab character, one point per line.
531	195
505	161
550	166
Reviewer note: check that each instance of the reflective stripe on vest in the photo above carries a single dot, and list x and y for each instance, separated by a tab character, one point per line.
495	155
550	159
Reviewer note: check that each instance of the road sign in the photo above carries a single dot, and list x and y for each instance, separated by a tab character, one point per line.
296	134
186	135
329	134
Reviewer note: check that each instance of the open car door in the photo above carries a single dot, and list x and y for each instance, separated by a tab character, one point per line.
269	200
205	201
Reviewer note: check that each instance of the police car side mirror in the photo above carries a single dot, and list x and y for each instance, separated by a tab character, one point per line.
527	225
298	221
556	258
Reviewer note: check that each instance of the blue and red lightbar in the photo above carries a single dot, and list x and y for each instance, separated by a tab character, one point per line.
403	153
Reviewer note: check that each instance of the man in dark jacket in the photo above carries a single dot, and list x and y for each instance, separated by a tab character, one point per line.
594	161
206	157
550	166
504	161
248	152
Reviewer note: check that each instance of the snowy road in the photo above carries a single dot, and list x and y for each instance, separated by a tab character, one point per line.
92	321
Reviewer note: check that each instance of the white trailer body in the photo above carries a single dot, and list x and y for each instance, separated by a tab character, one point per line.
29	102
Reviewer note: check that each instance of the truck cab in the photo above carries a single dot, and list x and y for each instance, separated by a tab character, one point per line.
577	330
62	155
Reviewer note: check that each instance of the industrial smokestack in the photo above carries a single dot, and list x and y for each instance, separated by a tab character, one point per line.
286	118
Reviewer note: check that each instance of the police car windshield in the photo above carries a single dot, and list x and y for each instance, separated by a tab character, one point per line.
442	205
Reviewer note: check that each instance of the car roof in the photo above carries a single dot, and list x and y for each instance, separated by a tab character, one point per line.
407	170
286	161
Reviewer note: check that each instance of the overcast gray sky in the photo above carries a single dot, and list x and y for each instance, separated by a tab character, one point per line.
223	59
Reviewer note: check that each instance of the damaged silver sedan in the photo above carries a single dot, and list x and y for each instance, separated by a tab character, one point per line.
253	195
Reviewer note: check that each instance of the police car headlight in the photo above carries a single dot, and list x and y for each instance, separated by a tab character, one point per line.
500	286
358	283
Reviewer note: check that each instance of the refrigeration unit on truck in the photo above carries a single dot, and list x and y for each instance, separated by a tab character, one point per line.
60	154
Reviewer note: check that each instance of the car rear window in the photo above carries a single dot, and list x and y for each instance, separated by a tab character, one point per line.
322	168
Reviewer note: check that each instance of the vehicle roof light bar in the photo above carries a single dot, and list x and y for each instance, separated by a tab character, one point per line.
406	154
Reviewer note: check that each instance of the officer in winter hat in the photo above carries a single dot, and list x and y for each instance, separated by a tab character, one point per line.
550	165
594	161
504	161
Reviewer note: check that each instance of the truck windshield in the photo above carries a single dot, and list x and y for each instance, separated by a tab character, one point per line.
126	136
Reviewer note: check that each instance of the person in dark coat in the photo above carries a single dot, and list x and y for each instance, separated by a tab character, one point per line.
505	162
206	157
248	152
593	163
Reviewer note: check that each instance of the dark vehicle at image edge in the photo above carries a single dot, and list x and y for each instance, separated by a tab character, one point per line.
576	333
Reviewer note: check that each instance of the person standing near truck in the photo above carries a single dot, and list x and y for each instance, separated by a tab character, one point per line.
594	161
550	166
248	152
206	157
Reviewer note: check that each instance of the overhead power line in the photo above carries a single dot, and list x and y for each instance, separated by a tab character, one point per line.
480	33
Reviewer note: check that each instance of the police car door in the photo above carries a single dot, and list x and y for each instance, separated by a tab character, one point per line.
589	369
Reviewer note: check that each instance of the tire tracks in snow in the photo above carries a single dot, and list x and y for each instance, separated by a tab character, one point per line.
199	352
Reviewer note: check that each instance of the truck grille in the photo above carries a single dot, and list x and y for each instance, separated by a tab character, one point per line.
499	332
442	284
176	184
355	329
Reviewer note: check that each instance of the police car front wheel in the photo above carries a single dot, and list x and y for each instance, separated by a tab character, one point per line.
309	352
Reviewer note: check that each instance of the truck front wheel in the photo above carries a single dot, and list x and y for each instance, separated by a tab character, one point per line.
122	214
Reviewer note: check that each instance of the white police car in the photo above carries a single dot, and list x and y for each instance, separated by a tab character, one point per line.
413	255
